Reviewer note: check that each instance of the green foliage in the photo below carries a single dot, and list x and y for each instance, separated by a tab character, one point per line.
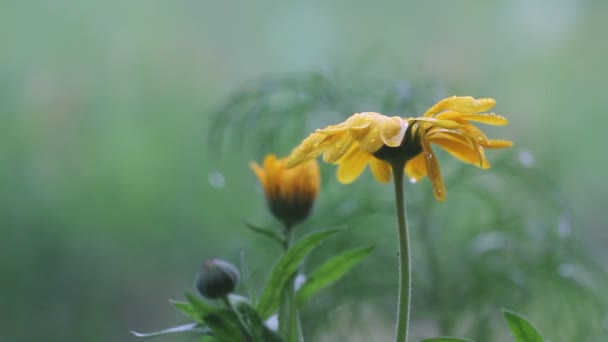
329	272
285	268
521	328
189	310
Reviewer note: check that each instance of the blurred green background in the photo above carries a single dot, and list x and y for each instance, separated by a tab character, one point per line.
126	129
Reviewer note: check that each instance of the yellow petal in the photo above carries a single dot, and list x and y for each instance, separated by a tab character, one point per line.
333	129
392	131
465	104
475	133
434	173
497	143
352	164
450	124
259	172
370	141
337	145
310	148
381	170
463	150
361	120
489	118
415	168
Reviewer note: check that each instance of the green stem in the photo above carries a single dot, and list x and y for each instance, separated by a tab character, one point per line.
405	279
289	319
242	325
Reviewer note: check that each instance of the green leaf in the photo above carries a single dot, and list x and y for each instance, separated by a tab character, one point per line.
332	270
446	339
285	268
521	329
197	305
268	233
188	310
223	323
247	281
253	320
192	327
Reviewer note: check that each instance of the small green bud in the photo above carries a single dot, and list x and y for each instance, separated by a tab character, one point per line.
217	278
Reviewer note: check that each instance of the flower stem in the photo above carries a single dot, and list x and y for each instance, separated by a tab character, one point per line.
289	319
405	279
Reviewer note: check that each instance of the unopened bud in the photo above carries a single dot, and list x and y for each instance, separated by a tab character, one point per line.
217	279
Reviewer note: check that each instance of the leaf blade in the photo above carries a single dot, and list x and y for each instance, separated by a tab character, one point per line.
521	328
331	271
285	268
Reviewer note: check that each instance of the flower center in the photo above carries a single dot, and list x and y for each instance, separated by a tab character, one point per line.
409	148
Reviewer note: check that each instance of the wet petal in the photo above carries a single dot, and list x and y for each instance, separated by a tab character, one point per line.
310	148
333	129
352	164
475	133
450	124
434	173
464	104
361	121
381	170
463	151
489	118
416	168
497	143
392	131
371	142
337	145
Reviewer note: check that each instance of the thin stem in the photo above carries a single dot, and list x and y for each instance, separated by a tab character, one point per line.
405	279
242	325
289	319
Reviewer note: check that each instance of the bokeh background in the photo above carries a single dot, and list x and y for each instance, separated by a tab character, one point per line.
126	129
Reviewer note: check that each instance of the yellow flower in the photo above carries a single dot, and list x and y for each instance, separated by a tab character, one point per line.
290	193
381	142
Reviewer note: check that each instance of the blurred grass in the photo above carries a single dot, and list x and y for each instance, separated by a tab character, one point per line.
113	192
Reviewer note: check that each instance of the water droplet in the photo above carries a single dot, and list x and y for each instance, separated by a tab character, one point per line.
216	180
300	280
413	180
564	228
526	158
567	270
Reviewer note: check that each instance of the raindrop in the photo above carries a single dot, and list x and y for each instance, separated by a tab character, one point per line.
564	228
526	158
567	270
300	280
216	180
